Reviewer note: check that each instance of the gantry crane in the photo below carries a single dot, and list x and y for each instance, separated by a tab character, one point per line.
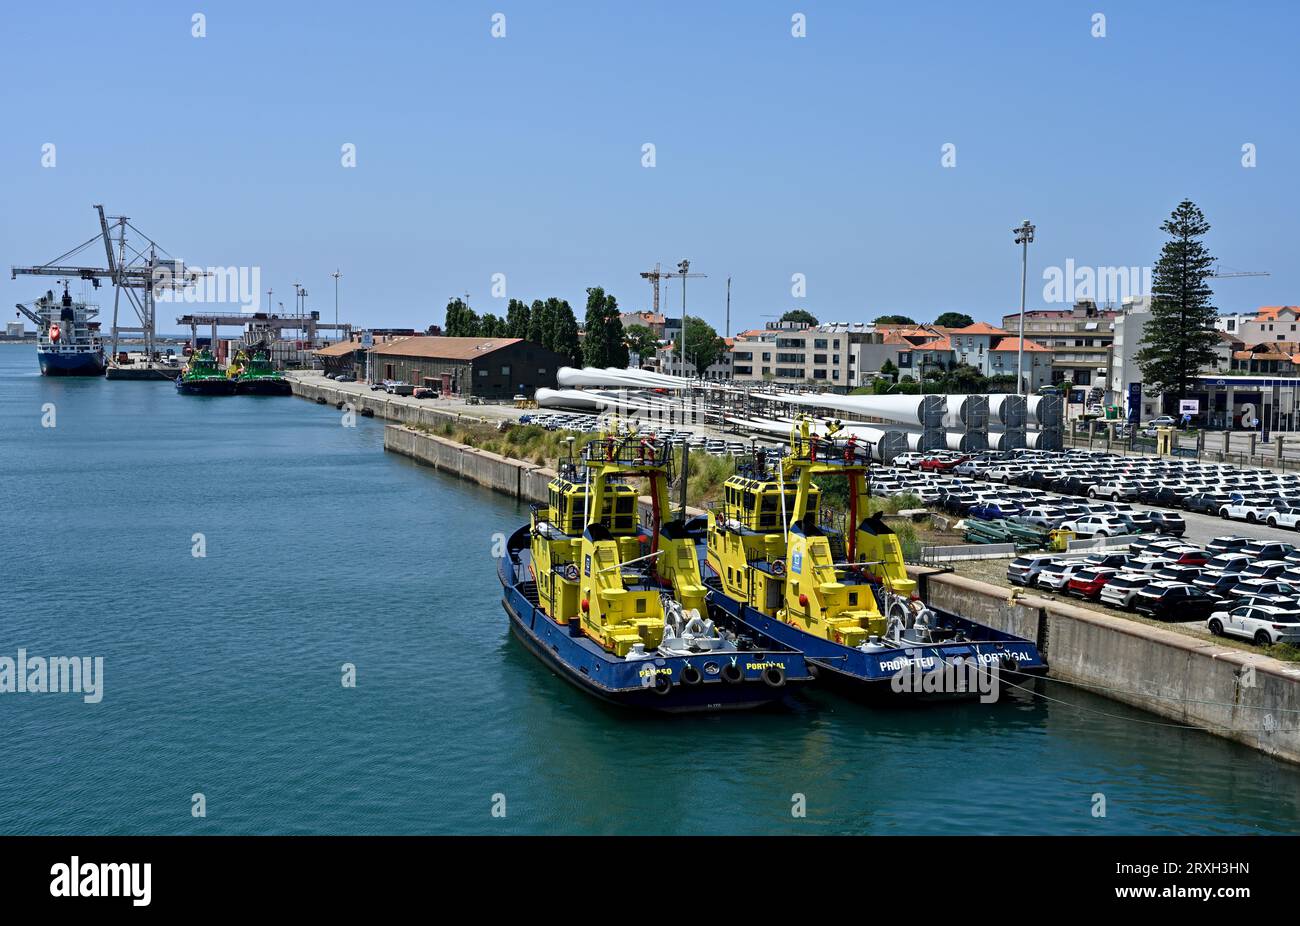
140	275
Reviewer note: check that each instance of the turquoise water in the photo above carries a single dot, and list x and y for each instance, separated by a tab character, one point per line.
222	673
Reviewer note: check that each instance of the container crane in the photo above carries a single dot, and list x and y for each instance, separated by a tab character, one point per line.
140	275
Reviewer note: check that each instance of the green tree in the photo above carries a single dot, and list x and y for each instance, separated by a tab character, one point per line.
539	324
703	346
1179	339
603	341
954	320
894	320
802	316
564	330
641	341
462	322
888	368
517	319
492	326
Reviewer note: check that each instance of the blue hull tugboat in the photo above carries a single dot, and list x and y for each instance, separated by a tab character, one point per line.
843	597
620	610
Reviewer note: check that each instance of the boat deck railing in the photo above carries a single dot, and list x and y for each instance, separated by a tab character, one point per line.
630	451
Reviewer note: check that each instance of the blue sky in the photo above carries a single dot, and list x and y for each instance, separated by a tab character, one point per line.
774	155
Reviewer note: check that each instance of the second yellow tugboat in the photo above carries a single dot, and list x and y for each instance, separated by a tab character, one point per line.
621	610
841	594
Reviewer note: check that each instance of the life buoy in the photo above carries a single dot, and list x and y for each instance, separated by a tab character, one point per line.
55	333
778	567
571	572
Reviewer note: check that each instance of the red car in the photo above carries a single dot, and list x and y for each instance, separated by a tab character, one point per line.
1191	558
941	464
1087	583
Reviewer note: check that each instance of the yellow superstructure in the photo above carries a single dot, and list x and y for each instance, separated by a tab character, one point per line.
591	561
772	549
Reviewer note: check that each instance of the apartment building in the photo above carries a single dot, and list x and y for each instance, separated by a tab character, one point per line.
1080	339
839	355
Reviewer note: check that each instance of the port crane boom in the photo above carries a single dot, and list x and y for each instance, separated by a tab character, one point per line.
140	277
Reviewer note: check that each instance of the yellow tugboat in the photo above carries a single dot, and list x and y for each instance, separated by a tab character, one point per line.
838	593
620	609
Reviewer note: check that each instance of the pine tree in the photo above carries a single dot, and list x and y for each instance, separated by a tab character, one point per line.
1179	339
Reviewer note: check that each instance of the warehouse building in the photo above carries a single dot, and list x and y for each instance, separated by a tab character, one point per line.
489	368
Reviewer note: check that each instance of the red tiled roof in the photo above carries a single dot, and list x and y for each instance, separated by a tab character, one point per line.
1267	312
1013	344
978	328
444	348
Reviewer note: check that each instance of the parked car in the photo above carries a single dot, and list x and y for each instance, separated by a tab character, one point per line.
1227	563
1175	601
908	460
1168	523
1268	588
1119	590
1206	502
1227	544
1284	517
1184	556
994	510
1262	624
1056	574
1262	550
1162	421
1095	525
1218	584
1041	518
1023	570
1248	511
939	463
1088	583
1114	489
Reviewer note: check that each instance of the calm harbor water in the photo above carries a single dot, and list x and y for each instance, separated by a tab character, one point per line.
222	673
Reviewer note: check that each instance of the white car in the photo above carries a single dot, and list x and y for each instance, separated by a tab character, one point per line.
972	467
1284	517
1245	511
908	460
1003	473
1096	525
1263	624
1056	575
1114	490
1119	591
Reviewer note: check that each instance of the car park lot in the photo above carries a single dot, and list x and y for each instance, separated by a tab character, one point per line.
1111	494
1244	593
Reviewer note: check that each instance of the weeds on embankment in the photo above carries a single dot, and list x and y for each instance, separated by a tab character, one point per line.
704	482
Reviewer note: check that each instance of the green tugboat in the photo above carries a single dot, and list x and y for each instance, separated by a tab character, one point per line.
258	376
202	376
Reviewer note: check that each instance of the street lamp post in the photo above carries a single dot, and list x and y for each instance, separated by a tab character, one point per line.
1024	237
336	274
